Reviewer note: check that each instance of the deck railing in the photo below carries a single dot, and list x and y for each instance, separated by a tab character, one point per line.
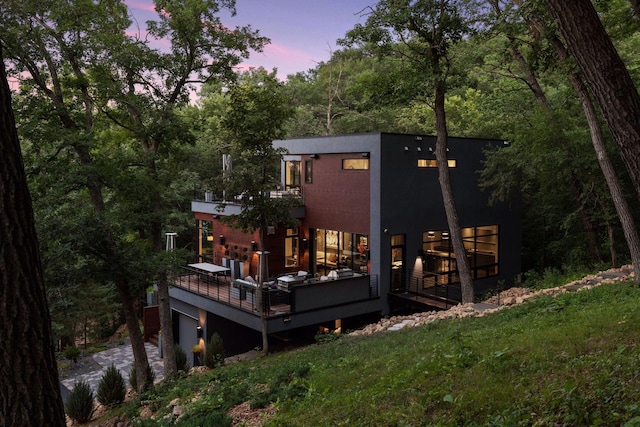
278	302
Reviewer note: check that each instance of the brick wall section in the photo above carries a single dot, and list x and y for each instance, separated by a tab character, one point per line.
337	199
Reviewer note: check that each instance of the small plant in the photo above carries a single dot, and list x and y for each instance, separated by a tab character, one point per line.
181	358
111	389
71	352
79	406
133	378
214	356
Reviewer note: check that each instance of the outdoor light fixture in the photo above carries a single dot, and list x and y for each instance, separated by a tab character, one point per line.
254	246
314	156
419	149
431	149
305	244
222	240
199	332
418	138
406	148
365	155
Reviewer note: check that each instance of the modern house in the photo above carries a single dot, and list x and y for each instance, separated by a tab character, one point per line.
372	239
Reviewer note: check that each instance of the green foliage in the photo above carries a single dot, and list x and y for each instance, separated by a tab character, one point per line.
79	406
71	352
211	419
564	360
133	378
182	363
214	352
111	389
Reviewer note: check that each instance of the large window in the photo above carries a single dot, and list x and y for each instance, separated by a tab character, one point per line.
292	174
481	247
205	240
340	249
291	247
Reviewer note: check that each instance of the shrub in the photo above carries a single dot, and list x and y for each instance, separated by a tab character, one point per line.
133	377
71	352
214	354
111	389
79	406
181	358
218	419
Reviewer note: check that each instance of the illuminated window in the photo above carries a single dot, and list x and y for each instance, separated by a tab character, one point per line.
433	163
205	240
359	164
291	247
481	247
292	174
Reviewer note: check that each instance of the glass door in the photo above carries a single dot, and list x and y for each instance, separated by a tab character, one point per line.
398	251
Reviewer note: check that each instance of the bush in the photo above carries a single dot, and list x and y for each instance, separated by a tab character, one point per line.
79	406
133	377
71	352
214	354
181	358
111	389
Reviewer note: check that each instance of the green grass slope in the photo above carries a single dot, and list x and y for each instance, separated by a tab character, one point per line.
568	360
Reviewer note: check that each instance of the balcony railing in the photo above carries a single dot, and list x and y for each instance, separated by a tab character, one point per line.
308	296
210	196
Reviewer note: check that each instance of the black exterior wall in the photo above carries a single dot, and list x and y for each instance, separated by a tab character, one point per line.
406	199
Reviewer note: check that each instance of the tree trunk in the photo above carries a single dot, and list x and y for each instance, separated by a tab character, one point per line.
605	74
164	302
29	383
143	370
166	325
466	282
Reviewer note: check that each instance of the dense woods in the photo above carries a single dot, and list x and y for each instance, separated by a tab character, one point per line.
116	134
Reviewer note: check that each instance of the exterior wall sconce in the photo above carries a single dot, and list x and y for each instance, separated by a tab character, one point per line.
305	244
418	138
365	155
199	332
406	148
254	246
430	149
222	239
314	156
419	149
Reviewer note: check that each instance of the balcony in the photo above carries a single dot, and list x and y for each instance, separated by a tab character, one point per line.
208	202
303	297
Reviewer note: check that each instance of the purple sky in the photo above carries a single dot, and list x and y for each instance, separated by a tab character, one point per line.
302	32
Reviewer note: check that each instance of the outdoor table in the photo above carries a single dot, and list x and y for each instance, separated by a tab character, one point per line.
211	269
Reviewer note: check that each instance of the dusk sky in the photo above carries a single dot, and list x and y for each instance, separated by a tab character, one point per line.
302	32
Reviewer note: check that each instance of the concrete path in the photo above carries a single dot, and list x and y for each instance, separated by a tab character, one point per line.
122	357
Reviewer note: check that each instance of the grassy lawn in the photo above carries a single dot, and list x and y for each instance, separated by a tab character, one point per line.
571	360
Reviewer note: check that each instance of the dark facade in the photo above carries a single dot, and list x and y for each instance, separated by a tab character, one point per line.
372	213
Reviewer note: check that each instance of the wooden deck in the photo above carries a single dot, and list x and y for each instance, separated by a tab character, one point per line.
219	288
